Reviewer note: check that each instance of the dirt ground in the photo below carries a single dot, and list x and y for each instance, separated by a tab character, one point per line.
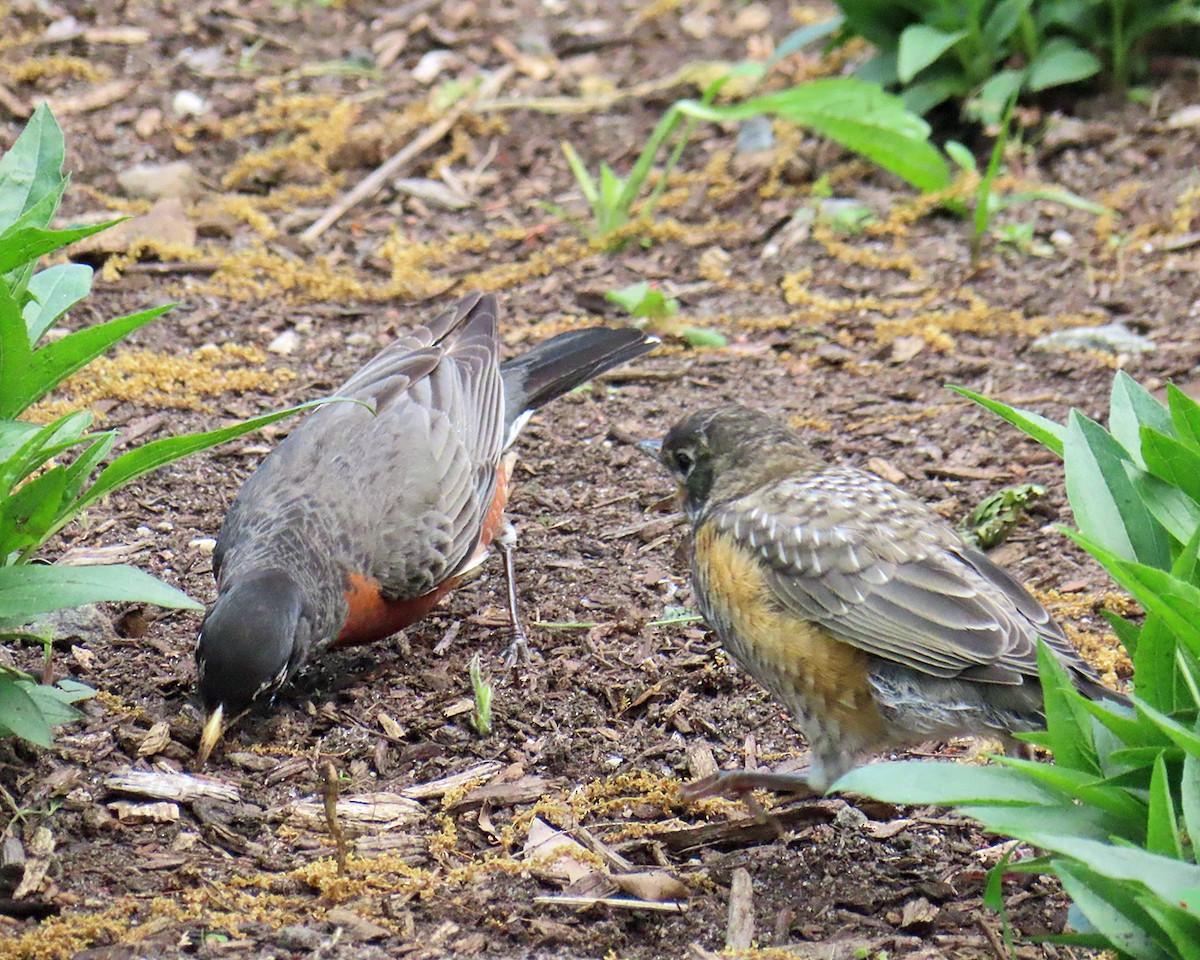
850	335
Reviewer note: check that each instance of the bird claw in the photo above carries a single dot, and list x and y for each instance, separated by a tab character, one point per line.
518	653
736	784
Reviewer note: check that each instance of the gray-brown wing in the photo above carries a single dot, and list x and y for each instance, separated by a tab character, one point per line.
399	493
879	570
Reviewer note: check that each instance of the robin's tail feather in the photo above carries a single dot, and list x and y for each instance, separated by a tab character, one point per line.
561	364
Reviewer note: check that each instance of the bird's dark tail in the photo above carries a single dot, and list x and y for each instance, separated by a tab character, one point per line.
561	364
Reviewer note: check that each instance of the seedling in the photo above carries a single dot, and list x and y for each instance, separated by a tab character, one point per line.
651	304
994	518
481	715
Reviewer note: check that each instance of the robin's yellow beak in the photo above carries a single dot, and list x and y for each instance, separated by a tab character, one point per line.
214	726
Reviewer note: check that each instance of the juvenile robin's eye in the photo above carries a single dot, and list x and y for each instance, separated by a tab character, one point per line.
684	462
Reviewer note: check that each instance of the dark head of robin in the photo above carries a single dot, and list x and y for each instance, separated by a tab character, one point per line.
246	647
716	454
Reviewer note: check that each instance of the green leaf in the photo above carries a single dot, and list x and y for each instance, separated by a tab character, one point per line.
1189	800
1180	926
1178	513
1068	726
1187	740
1162	827
1176	602
921	45
31	589
23	382
1185	416
933	89
1111	907
55	704
797	40
21	245
1002	21
1046	432
642	300
1078	783
960	155
53	292
991	100
1132	408
32	167
1128	632
19	714
913	781
1175	462
858	115
129	466
1107	508
1060	62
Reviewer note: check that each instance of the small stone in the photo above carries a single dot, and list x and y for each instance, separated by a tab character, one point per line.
356	927
205	545
156	180
148	123
755	135
299	939
86	624
432	64
1186	117
1061	239
187	103
1109	338
285	343
360	338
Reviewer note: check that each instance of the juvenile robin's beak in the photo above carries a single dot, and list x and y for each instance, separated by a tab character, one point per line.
214	726
651	448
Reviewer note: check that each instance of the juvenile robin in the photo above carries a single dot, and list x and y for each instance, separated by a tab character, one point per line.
359	522
853	603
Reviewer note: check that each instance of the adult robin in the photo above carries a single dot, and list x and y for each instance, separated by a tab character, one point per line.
853	603
358	523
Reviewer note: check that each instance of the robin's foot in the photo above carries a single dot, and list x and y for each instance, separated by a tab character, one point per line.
519	651
736	784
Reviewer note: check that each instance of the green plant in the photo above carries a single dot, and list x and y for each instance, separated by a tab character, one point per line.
46	471
990	522
1118	810
481	714
649	303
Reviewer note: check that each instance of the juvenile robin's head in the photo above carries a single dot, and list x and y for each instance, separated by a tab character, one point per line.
245	649
721	453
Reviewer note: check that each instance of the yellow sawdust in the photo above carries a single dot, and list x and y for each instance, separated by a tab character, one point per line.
1099	646
53	68
147	248
163	380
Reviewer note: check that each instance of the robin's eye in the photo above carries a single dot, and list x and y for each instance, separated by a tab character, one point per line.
684	462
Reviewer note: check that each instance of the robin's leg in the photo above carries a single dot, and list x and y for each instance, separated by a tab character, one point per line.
519	650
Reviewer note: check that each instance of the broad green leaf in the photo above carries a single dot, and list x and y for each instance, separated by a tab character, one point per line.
24	383
1189	800
32	167
1162	826
32	589
1187	740
1131	408
1185	416
53	292
16	356
20	245
1080	784
158	453
19	714
960	155
921	45
1175	462
1128	632
1074	819
1172	880
1046	432
1112	908
1178	513
1068	725
1060	62
1128	729
932	89
991	101
1106	505
914	781
1160	593
55	704
1003	20
858	115
1181	926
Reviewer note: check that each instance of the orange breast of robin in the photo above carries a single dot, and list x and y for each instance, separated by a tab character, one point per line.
370	616
789	655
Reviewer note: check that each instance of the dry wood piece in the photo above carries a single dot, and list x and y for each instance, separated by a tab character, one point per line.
161	812
381	811
443	785
748	832
398	161
739	932
626	903
330	799
179	787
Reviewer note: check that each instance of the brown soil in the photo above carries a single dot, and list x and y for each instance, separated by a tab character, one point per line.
851	336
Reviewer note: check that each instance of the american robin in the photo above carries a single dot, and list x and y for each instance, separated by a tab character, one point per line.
854	604
358	523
